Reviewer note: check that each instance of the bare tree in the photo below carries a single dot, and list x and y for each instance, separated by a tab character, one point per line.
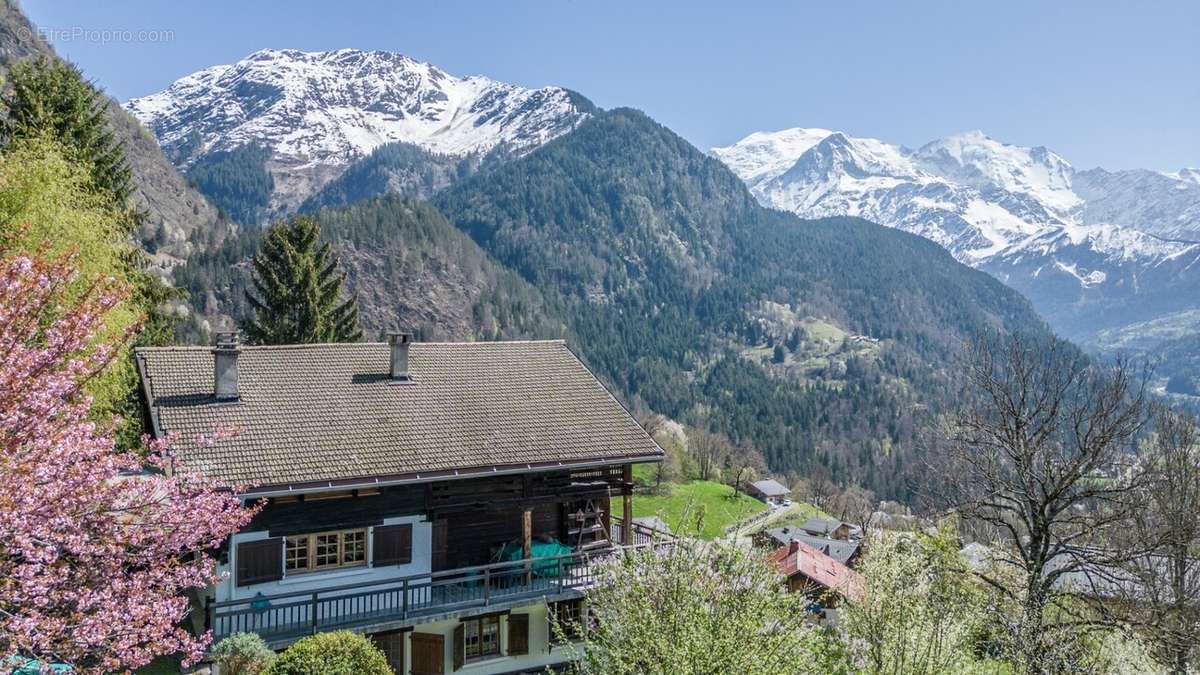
670	469
1163	598
1043	453
855	505
709	449
819	489
746	462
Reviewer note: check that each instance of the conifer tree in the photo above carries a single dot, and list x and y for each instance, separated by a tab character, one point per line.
47	103
296	289
50	97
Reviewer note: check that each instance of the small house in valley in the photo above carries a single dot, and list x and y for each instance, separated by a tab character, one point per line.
770	491
449	500
844	551
826	581
829	528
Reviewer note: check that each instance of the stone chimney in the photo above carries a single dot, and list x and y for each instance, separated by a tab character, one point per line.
225	367
399	362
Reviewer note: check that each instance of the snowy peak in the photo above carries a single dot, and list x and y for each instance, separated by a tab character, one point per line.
974	159
765	155
969	192
856	157
316	112
1128	240
1186	176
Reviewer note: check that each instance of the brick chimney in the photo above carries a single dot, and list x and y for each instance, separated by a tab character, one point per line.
398	342
225	366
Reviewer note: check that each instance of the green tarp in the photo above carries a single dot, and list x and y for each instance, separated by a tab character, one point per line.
23	666
539	549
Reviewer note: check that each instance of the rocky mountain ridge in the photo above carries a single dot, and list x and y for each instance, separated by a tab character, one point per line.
319	112
1095	250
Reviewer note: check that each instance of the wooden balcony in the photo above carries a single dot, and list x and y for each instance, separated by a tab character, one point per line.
284	617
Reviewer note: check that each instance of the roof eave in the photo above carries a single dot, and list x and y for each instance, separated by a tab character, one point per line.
283	489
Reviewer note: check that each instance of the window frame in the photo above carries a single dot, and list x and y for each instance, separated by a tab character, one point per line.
478	623
310	539
571	616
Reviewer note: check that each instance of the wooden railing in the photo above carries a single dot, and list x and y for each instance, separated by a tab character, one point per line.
642	535
289	615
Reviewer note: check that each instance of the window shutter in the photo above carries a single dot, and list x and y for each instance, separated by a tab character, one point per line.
392	646
392	545
439	545
259	561
428	654
518	634
460	646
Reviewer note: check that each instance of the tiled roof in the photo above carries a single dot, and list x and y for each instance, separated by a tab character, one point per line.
800	558
841	551
821	526
310	414
770	488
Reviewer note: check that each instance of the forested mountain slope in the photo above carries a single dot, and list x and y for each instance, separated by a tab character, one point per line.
408	267
394	168
176	214
673	281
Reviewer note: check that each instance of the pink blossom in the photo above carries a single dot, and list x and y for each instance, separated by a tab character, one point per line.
98	547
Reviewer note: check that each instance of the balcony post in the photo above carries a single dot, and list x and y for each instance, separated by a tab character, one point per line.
627	499
312	605
527	542
487	586
404	599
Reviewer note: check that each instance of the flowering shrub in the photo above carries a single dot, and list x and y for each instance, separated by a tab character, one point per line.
97	546
698	607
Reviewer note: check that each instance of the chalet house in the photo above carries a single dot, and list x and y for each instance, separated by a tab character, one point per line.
770	491
824	580
829	528
448	500
845	552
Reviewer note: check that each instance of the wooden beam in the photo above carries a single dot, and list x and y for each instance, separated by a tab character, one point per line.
627	498
527	532
527	541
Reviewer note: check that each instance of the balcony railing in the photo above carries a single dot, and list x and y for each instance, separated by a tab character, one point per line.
286	616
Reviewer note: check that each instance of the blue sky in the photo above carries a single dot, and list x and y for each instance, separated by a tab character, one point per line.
1105	84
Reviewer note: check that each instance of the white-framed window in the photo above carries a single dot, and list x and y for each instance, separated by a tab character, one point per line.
318	551
481	637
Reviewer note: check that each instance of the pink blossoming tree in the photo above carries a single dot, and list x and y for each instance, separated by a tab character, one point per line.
98	547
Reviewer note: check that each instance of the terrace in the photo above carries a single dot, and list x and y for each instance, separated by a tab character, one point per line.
400	602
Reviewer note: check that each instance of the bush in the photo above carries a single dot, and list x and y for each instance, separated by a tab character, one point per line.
338	653
243	654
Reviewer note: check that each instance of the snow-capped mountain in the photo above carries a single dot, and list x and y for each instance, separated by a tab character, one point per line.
317	112
1095	250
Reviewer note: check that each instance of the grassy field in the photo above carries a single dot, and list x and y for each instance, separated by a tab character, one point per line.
715	499
798	514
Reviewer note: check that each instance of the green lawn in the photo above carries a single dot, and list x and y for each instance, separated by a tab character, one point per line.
719	509
798	514
644	473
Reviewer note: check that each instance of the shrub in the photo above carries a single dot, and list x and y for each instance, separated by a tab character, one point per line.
338	653
243	654
692	608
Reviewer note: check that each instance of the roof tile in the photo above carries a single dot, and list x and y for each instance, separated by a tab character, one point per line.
329	412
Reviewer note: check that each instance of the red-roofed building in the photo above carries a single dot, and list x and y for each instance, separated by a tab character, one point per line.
811	572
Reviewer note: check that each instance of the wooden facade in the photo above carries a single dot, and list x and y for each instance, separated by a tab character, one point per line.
463	511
